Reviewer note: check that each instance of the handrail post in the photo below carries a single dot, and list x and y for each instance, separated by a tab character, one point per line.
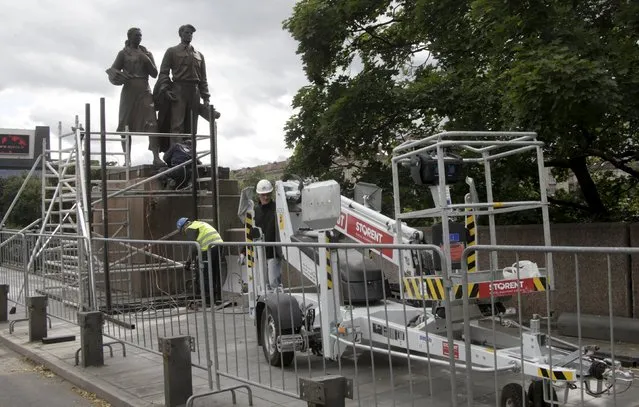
194	173
87	164
214	180
105	207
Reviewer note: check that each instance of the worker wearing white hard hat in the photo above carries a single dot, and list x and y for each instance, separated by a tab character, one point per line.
264	187
266	219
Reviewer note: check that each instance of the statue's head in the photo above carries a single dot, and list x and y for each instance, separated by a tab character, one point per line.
186	33
134	36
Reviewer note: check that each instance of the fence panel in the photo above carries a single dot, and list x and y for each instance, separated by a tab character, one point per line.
152	292
44	264
572	358
56	265
490	337
358	327
13	252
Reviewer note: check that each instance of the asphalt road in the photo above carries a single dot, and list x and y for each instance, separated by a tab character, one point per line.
23	383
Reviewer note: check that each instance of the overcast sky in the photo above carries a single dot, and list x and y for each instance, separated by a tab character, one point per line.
55	53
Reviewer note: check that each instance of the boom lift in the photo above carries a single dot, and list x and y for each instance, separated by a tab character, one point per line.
439	290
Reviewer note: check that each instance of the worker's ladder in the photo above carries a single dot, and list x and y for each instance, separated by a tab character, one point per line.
65	199
59	259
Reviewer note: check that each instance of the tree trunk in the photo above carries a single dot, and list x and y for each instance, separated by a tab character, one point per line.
588	188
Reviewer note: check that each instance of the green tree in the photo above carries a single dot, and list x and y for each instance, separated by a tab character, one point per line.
383	71
28	207
252	177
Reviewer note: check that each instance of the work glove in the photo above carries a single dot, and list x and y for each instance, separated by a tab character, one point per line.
240	259
279	254
188	264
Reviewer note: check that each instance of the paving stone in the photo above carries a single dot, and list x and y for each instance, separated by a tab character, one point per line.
137	380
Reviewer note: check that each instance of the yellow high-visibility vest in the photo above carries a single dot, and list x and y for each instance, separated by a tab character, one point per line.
207	235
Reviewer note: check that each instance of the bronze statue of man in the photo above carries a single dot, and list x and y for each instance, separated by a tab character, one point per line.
132	67
178	98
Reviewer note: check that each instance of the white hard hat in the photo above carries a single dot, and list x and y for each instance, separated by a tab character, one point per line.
264	187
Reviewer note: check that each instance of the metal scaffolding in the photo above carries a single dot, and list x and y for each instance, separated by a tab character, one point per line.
76	202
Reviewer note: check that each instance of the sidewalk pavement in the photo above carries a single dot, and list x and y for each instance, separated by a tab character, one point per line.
136	380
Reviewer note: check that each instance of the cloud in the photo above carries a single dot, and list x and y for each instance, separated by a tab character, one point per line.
58	51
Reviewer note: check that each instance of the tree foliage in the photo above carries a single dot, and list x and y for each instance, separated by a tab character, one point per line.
381	72
252	177
27	207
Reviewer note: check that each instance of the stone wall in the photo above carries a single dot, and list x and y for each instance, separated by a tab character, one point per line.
591	270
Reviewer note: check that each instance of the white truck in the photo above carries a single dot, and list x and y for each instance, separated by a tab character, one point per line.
444	301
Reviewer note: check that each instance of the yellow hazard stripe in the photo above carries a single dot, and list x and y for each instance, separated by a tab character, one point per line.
248	221
409	292
411	288
423	288
561	375
440	288
329	269
471	260
430	289
459	291
416	289
540	283
473	291
470	221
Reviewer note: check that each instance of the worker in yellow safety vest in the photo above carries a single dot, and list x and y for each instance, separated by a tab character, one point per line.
207	237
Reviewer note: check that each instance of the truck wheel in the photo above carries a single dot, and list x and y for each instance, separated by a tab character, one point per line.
536	394
270	330
511	395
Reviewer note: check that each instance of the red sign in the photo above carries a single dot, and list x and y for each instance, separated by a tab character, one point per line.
14	144
341	221
507	287
364	232
445	349
456	251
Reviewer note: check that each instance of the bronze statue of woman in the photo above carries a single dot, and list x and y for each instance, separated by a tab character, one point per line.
132	67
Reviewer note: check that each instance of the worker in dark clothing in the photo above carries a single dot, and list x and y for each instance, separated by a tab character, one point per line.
207	237
265	219
179	178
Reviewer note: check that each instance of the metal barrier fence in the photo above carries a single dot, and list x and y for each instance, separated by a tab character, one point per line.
344	311
551	362
58	268
151	293
13	255
479	339
44	264
146	291
356	326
